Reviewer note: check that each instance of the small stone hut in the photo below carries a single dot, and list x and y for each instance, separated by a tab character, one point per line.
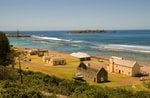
40	52
33	52
58	61
93	71
46	59
54	60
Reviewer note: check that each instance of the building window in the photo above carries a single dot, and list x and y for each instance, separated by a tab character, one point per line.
129	73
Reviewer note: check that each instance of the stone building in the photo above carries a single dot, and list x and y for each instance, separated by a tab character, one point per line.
57	61
123	66
46	59
54	60
93	71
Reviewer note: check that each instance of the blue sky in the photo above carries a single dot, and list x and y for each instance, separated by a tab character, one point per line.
74	14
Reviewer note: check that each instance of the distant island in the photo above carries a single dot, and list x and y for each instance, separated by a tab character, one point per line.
87	31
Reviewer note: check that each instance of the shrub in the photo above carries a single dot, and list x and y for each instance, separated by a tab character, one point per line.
35	82
147	84
8	73
51	80
4	49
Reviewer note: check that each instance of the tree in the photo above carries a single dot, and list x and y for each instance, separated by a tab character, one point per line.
4	49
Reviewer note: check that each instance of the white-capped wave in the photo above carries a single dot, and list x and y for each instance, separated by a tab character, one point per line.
133	48
77	41
74	45
49	38
43	42
56	39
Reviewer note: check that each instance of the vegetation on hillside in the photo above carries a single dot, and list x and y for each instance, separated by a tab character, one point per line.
38	85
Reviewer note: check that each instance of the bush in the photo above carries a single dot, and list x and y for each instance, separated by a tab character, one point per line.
8	73
35	82
51	80
4	49
146	84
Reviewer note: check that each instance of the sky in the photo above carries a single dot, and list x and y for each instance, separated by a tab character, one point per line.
74	14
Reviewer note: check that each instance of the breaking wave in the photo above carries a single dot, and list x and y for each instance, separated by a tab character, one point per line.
56	39
133	48
77	41
49	38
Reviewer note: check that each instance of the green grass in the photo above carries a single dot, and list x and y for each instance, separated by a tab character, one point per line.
68	70
66	73
39	84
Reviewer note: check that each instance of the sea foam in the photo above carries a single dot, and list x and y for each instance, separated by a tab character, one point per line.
133	48
56	39
49	38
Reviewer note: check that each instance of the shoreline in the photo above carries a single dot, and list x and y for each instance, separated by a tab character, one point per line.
145	65
17	35
67	71
93	55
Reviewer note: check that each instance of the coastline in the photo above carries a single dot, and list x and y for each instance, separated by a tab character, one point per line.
145	66
17	35
108	44
70	69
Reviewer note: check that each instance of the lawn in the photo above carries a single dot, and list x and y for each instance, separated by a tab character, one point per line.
62	71
68	70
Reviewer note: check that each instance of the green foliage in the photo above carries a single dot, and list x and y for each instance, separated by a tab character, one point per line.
4	49
142	94
11	57
39	85
51	80
147	84
8	73
6	54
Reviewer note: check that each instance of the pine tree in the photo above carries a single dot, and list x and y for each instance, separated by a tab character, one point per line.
4	48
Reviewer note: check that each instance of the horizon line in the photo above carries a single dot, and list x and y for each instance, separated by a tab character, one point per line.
73	29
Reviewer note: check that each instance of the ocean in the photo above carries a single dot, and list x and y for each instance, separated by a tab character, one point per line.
131	44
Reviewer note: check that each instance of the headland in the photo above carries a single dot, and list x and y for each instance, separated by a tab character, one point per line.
17	35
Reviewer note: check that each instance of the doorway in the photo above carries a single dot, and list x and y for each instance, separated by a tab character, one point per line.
119	71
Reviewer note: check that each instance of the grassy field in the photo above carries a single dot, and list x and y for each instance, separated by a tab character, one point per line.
62	71
68	70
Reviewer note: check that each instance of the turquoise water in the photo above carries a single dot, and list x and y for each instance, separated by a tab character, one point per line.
133	44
